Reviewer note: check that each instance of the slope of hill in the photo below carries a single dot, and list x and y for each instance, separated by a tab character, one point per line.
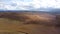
29	22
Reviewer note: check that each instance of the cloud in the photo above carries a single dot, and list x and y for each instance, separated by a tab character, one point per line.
28	5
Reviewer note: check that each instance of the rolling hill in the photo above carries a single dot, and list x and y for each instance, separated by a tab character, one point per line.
29	22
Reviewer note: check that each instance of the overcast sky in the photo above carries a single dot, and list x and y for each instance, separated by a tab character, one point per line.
28	4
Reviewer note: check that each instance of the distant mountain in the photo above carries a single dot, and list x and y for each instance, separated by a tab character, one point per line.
55	11
51	11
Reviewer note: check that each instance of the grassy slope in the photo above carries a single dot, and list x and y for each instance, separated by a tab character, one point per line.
24	22
11	26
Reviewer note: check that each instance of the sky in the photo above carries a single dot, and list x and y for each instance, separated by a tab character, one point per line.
29	4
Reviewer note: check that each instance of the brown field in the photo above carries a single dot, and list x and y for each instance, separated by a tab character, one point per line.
29	23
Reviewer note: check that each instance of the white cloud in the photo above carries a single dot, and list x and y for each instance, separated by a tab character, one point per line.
28	5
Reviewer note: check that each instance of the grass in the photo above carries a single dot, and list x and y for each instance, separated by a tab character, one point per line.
31	23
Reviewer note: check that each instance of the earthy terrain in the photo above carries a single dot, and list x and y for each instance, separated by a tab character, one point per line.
29	23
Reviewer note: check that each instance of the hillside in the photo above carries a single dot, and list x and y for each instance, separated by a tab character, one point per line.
29	23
